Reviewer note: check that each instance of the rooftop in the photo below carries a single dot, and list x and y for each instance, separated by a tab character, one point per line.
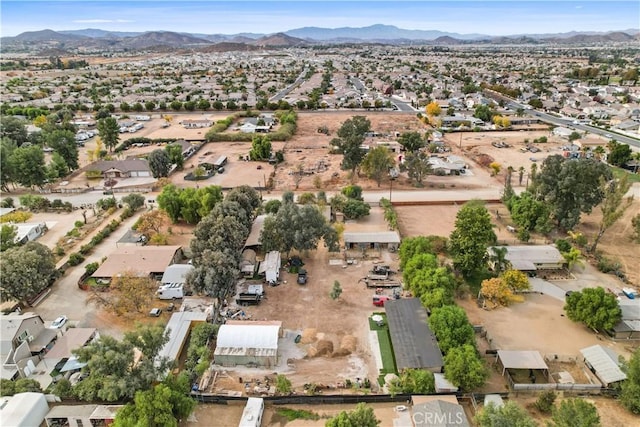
141	259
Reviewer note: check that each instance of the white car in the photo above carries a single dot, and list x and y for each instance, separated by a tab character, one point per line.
59	322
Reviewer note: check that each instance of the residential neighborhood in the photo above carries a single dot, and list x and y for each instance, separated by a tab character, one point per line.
407	231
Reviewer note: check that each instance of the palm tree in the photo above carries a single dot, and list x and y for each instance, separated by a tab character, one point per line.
520	175
599	151
573	258
499	259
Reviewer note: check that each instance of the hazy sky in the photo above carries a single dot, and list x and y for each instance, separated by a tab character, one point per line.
268	16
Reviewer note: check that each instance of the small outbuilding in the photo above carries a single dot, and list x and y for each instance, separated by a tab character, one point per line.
248	262
414	344
389	240
603	362
23	409
517	360
248	343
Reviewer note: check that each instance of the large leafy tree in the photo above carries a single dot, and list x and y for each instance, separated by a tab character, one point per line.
595	307
510	414
411	246
159	163
8	233
351	135
112	373
128	294
362	416
417	166
575	412
414	381
464	367
7	171
412	141
451	327
63	141
377	163
28	166
630	390
571	187
469	240
619	154
530	214
109	132
13	128
174	151
260	148
26	271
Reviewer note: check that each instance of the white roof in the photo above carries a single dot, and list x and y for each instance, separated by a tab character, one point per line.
247	336
605	362
23	409
176	273
252	412
372	237
542	254
271	262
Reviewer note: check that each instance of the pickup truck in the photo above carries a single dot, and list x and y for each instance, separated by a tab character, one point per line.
302	276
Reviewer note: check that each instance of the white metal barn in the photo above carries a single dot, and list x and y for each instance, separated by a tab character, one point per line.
248	343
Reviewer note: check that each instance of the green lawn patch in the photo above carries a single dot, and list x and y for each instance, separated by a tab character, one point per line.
386	348
619	173
297	414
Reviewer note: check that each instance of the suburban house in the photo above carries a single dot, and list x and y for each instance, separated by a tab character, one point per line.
197	123
143	261
530	259
562	132
29	231
437	411
128	168
23	342
61	355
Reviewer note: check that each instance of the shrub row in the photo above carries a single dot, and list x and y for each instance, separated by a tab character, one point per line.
105	232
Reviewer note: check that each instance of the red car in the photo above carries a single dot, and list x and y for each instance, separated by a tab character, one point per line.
378	300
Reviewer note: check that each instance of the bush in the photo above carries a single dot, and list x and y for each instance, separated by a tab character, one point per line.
91	268
607	265
16	217
75	259
78	224
7	202
545	401
563	245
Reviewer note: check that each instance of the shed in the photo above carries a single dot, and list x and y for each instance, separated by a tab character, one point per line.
253	239
248	343
522	360
443	385
372	240
414	345
603	362
248	262
23	409
179	327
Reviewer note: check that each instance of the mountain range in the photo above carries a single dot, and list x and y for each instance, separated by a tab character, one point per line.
97	39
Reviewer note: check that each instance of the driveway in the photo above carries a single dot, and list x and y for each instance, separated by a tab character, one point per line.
547	288
65	296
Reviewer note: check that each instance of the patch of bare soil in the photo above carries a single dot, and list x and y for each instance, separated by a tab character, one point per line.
616	243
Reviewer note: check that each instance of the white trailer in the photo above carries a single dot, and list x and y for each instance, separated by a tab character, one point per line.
252	414
172	291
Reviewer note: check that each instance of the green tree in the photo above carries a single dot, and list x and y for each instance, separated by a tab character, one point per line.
174	151
109	132
412	141
635	223
8	234
508	415
349	142
377	163
530	214
159	163
469	240
260	148
134	200
159	407
619	154
27	385
64	143
630	389
361	416
417	166
57	168
272	206
484	113
28	166
411	246
613	205
464	367
336	291
14	129
545	401
575	412
573	257
499	258
594	307
26	271
414	381
570	188
7	171
451	327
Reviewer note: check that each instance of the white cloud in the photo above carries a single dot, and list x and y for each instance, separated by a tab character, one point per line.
102	21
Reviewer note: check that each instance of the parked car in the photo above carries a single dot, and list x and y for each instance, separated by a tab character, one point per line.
59	322
155	312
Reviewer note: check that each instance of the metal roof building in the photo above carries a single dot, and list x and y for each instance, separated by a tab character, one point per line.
179	326
414	345
604	362
248	343
372	240
532	258
176	273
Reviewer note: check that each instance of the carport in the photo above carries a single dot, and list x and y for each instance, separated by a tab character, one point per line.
519	360
603	362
